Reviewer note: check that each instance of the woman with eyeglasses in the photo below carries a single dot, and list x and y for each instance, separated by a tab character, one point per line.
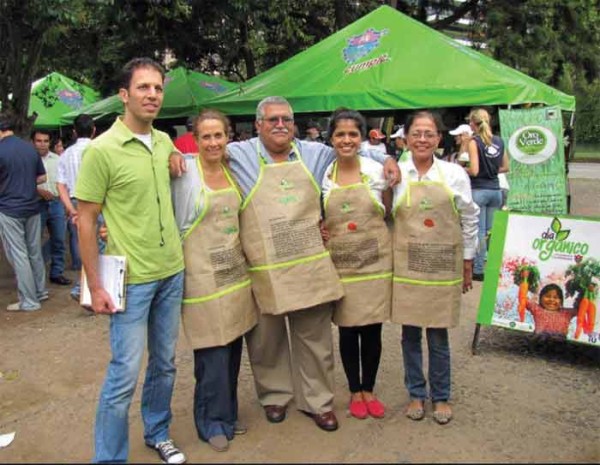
487	159
435	238
218	306
359	241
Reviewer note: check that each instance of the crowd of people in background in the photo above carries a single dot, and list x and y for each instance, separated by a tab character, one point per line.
271	238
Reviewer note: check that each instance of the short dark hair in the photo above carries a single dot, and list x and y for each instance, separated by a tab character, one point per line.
84	125
7	121
45	132
126	73
347	113
189	124
433	116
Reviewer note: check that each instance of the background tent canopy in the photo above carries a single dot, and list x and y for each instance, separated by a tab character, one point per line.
55	95
388	61
184	94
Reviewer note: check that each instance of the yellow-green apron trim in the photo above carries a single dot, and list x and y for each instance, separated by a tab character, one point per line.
369	277
406	193
427	283
290	262
206	195
364	182
263	164
216	295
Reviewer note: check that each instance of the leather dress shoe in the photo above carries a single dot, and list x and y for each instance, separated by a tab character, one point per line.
326	421
275	413
60	280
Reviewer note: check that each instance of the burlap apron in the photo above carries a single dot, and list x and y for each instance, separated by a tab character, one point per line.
428	257
360	244
218	305
289	266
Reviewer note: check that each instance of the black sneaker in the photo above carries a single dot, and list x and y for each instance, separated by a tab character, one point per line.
60	280
168	452
477	277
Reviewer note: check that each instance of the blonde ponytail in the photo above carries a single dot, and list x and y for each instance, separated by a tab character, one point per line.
481	119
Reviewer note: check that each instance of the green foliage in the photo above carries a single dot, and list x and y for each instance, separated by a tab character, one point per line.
555	41
588	112
533	279
580	275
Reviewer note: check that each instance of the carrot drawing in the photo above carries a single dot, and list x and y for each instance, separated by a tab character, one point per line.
582	280
527	278
523	289
591	317
582	314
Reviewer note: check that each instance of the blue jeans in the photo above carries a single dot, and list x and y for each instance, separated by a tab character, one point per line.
54	218
21	240
215	396
74	241
489	201
152	316
439	363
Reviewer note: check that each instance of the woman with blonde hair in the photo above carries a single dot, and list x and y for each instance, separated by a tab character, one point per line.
487	158
218	306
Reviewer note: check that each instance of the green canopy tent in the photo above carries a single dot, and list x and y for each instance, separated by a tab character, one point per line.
55	95
388	61
185	91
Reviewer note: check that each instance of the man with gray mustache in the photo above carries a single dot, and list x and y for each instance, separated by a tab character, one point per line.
293	278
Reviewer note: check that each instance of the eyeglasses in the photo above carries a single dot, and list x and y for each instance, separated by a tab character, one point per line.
426	135
276	119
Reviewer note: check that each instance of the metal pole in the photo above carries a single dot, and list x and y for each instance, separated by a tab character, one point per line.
475	343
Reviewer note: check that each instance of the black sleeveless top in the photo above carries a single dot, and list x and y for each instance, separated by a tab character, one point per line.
490	160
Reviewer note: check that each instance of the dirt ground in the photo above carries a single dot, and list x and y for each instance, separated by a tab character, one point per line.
519	400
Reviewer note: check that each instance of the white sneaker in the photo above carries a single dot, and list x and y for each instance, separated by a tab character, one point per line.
16	307
168	452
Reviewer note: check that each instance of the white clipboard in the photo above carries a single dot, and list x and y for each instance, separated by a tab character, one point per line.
112	270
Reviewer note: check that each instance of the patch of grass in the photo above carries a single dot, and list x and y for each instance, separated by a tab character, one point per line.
587	152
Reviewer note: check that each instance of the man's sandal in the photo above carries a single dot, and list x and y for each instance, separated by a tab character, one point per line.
415	410
442	417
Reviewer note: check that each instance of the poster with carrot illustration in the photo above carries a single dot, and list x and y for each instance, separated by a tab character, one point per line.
543	276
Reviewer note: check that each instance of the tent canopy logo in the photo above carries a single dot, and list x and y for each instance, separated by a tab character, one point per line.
213	86
360	46
71	98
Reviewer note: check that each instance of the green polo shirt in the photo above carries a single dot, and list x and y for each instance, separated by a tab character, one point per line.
132	183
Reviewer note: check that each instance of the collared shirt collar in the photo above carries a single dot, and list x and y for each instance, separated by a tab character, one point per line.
291	156
123	134
413	173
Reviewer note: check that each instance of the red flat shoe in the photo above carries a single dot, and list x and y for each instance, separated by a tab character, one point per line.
375	408
358	409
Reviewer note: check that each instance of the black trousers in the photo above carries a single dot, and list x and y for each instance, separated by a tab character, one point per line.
360	348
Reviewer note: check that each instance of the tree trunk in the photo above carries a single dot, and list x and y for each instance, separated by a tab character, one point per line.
341	14
246	52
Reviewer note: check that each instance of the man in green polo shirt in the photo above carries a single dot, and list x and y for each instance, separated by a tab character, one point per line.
124	173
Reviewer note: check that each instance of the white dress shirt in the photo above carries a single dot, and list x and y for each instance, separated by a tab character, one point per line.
69	163
371	169
458	182
366	145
